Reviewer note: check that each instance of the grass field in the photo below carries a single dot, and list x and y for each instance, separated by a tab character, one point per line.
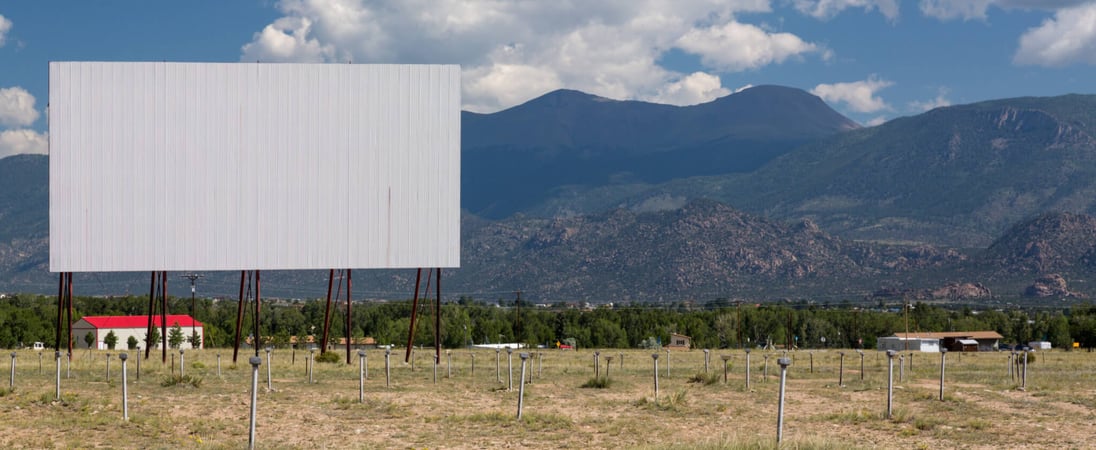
983	407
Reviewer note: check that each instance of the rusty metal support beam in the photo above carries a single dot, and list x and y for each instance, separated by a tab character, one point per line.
414	310
327	312
239	317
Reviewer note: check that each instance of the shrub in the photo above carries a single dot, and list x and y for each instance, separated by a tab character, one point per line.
328	357
597	383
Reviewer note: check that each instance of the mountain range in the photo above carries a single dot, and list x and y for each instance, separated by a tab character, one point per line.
766	193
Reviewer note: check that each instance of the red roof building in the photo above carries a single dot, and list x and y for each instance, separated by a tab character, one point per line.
124	327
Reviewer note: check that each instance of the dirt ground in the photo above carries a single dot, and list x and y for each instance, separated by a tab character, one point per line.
983	406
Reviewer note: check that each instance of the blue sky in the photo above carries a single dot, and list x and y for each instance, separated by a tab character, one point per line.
872	60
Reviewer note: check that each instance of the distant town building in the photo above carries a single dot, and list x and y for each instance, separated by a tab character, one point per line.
679	342
960	341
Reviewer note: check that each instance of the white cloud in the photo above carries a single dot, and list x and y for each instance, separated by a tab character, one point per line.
743	88
14	142
955	9
876	121
1070	37
827	9
17	107
737	46
977	9
511	51
860	96
5	26
941	100
697	87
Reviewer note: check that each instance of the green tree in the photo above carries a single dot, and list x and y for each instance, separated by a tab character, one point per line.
89	339
175	336
195	340
111	340
154	338
131	343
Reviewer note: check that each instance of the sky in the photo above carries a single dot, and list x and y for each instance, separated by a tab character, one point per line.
872	60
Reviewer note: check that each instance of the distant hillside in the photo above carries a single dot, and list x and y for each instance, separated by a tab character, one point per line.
514	159
959	175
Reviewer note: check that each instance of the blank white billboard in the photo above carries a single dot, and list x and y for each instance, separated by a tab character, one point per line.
199	166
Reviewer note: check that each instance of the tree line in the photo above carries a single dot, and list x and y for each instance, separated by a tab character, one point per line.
25	319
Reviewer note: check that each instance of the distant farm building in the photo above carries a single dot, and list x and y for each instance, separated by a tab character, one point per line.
135	326
961	341
679	342
900	344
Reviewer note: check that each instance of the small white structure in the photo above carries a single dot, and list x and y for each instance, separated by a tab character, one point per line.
136	326
916	344
1039	345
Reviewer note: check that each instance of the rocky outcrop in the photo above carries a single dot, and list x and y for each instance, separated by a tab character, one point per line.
1050	285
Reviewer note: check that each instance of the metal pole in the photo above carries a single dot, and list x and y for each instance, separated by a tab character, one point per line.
218	364
747	369
498	374
255	361
11	381
435	358
139	364
39	363
387	368
448	364
597	364
269	385
812	361
861	364
784	363
901	368
890	382
509	368
654	356
841	371
57	356
311	362
182	363
1023	378
706	356
943	357
125	387
608	363
473	356
726	366
361	376
108	368
521	387
667	363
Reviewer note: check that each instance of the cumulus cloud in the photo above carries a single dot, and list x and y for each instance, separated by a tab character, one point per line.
860	96
17	107
827	9
697	87
5	26
511	51
14	142
940	101
1070	37
736	46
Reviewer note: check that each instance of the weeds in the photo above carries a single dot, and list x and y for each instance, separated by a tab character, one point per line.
175	380
705	378
597	383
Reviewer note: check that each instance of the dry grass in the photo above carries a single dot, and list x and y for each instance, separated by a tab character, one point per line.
983	406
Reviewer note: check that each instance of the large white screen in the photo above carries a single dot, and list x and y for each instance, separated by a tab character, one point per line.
198	166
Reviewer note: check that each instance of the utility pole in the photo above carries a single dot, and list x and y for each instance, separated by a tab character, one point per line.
193	277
